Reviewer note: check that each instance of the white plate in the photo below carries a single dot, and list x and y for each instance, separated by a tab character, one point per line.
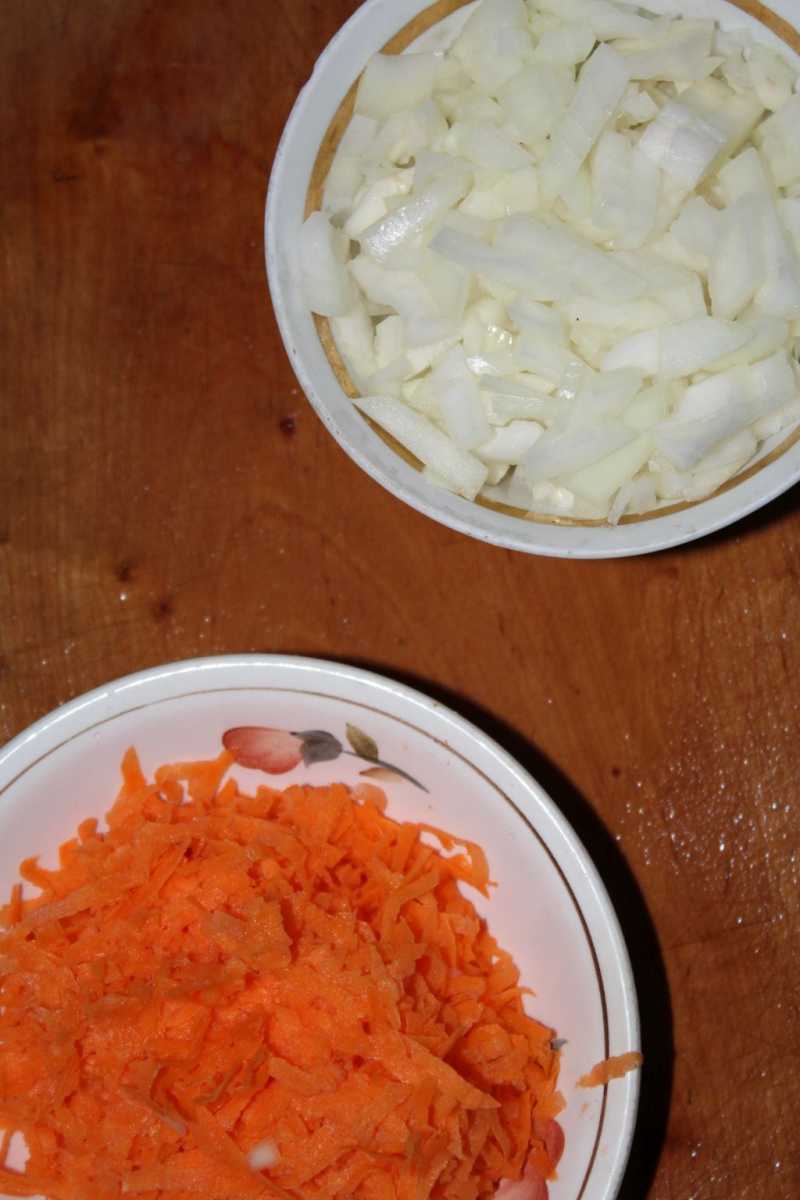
367	31
550	908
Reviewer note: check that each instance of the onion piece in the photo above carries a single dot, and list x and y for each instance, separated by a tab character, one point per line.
736	114
686	443
534	99
766	335
681	53
514	491
649	408
346	172
744	175
770	75
737	268
560	261
682	143
633	316
625	186
405	134
326	285
535	351
713	395
462	472
403	291
565	46
388	239
497	195
503	407
372	202
779	295
637	106
697	227
607	20
460	406
483	144
640	350
773	382
494	42
601	85
394	83
508	443
462	413
636	496
779	140
778	420
558	454
600	481
540	318
605	395
719	465
698	343
355	341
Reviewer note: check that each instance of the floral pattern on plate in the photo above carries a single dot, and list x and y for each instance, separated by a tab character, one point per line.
279	750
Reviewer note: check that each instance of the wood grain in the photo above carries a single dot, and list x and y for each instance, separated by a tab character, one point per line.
165	492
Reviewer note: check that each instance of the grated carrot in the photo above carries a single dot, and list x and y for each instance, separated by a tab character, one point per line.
611	1068
219	972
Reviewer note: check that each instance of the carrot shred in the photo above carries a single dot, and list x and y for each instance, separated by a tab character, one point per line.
611	1068
215	972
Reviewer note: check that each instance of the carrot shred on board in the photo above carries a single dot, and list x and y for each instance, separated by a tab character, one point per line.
611	1068
217	972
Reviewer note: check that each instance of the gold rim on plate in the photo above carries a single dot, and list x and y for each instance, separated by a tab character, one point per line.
420	24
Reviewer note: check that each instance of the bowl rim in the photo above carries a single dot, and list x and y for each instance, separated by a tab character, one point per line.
549	537
123	696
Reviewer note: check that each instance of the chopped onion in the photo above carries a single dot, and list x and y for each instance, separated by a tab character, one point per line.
636	496
508	443
534	99
394	83
483	144
562	257
346	172
355	339
557	454
681	52
697	344
495	42
372	202
682	143
771	77
326	285
463	472
389	238
641	351
599	482
736	269
565	45
686	443
601	85
779	141
403	291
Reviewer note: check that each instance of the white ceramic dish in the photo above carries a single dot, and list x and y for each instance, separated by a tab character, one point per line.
550	907
368	31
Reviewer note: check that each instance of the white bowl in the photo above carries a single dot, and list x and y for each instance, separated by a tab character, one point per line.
550	907
368	31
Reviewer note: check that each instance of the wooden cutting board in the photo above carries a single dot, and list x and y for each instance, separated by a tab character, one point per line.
165	491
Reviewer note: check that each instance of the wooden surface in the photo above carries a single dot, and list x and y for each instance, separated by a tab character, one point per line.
166	492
